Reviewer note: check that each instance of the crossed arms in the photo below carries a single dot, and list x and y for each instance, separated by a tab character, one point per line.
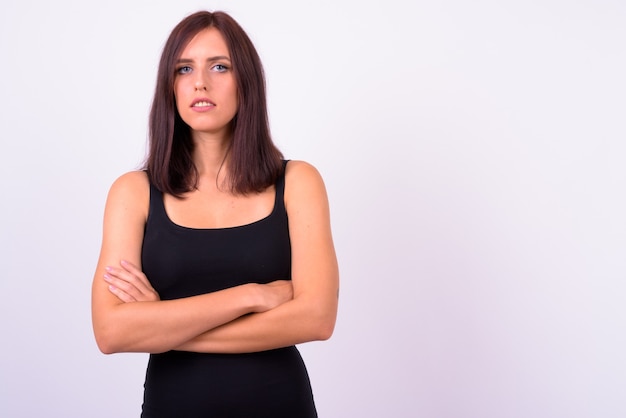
128	315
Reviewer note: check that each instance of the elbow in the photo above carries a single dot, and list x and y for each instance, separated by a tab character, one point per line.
107	333
106	344
325	329
327	326
112	341
109	339
321	320
104	347
106	350
324	326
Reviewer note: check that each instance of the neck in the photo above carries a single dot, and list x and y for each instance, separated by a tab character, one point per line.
209	154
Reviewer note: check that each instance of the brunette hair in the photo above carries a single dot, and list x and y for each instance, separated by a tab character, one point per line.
254	161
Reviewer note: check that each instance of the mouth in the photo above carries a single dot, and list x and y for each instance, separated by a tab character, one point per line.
202	103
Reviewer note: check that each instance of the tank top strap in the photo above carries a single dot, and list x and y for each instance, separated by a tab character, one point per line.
156	210
279	203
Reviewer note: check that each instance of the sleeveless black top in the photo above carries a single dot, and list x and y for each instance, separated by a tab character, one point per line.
182	262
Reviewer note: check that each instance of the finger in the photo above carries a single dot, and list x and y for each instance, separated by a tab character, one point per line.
137	273
123	285
121	295
129	277
127	265
133	275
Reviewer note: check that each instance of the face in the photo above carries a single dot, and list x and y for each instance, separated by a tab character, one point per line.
205	86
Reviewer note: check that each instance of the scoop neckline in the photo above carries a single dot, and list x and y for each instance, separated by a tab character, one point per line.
188	228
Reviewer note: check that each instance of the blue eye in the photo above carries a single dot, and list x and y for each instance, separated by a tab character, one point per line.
184	69
220	68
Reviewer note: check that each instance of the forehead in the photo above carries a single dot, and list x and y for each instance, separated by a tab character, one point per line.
207	42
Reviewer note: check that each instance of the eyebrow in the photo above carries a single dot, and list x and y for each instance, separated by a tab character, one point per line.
210	59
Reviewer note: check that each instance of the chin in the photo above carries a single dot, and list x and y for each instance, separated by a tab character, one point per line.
210	129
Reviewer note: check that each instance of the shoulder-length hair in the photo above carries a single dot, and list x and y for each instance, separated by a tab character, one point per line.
254	162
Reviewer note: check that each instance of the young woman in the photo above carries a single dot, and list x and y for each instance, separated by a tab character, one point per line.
218	257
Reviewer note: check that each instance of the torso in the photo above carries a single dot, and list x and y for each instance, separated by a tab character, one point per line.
203	244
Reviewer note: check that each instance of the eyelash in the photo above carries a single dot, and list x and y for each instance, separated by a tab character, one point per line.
223	68
185	69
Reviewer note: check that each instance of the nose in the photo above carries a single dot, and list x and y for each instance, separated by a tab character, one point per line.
201	82
200	85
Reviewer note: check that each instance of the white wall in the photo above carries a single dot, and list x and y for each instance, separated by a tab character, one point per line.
474	157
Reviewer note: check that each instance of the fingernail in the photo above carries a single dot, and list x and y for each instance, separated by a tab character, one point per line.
107	277
108	268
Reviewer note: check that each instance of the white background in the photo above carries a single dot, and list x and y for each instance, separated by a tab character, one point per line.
474	158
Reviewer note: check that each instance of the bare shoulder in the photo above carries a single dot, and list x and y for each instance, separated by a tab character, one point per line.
301	173
131	192
303	185
134	181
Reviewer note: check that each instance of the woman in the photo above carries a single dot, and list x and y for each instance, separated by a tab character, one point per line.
218	257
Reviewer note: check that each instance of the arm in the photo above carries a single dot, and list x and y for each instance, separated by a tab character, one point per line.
153	325
311	314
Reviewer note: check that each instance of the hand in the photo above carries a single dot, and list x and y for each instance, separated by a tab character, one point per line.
274	294
129	284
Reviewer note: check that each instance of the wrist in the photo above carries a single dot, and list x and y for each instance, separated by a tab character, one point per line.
256	298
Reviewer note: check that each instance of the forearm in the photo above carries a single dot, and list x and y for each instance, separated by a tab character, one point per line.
162	325
294	322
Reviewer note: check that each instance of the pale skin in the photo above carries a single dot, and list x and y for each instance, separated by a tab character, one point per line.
128	315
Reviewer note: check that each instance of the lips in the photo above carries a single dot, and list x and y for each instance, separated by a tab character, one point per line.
202	103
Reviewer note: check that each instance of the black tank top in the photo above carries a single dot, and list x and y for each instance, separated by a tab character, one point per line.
182	262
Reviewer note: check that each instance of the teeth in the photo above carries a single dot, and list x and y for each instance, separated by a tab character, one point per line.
202	104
